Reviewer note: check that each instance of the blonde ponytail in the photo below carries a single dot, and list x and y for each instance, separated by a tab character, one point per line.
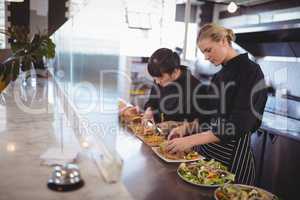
230	36
216	33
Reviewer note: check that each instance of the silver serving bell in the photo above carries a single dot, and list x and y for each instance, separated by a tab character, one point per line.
65	178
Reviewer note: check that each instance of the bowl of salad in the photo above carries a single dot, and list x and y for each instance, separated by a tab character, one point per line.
242	192
205	173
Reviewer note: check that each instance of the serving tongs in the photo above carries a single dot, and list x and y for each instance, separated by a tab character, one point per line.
151	124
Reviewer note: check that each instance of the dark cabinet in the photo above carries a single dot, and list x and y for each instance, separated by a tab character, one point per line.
280	173
258	140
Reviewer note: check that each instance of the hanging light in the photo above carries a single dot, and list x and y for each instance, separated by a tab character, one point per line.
14	0
232	7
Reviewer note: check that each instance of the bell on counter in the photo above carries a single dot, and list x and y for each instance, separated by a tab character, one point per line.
65	178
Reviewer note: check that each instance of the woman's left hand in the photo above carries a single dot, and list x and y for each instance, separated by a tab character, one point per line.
179	144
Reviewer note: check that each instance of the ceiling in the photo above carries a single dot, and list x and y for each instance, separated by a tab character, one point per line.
238	2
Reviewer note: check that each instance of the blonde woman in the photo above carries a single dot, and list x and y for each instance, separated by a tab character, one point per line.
238	102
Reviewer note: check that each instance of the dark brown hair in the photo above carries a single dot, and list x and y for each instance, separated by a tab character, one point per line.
163	60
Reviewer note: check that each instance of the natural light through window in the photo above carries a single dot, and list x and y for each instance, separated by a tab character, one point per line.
2	23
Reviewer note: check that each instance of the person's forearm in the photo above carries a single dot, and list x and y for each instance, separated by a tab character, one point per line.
191	127
187	128
202	138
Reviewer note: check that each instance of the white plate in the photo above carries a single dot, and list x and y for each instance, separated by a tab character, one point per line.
268	194
140	137
155	149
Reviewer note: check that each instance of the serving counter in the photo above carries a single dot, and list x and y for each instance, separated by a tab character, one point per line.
146	176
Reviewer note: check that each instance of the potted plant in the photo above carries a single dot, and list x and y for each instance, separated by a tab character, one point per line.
27	53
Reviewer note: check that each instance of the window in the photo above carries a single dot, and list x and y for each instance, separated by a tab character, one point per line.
2	23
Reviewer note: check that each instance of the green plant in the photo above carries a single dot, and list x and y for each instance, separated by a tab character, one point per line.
26	52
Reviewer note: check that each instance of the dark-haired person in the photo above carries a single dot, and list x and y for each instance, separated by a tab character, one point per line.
238	108
171	96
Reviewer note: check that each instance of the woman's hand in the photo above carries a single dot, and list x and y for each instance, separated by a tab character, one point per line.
185	143
178	132
148	116
167	126
178	145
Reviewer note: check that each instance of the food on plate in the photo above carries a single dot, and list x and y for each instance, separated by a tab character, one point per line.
153	140
137	129
149	131
209	173
191	155
130	115
172	156
129	111
242	192
167	126
131	118
177	156
136	119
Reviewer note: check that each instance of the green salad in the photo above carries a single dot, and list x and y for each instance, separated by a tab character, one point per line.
205	173
242	192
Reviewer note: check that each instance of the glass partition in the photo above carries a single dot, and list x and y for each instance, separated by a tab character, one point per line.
85	71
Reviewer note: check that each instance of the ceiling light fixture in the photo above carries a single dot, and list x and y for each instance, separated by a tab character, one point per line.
232	7
18	1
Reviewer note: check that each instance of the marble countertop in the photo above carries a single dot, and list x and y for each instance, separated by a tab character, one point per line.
28	127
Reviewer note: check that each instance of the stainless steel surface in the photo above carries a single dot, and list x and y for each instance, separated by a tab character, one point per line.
239	2
281	125
269	39
292	24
